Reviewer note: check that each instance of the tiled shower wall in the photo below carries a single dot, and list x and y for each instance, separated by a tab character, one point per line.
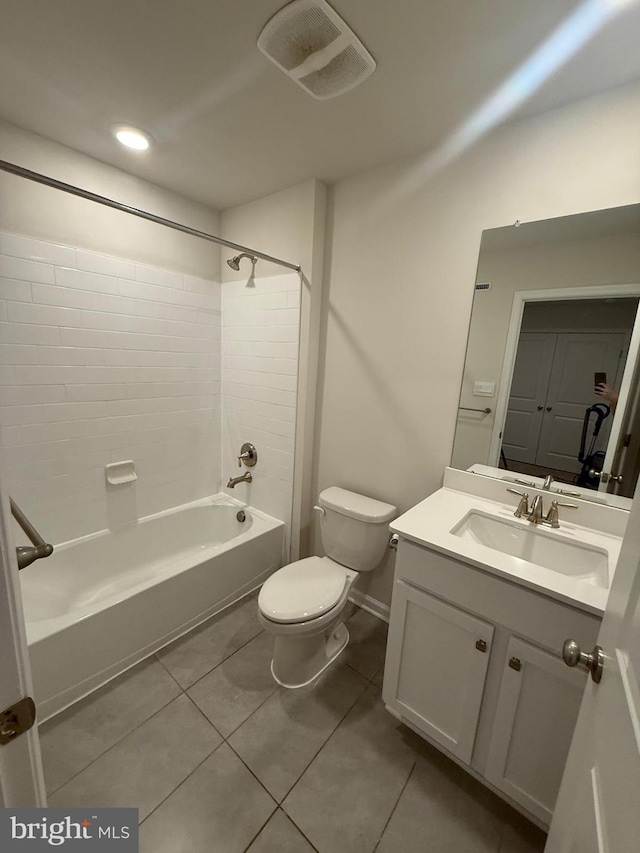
103	359
260	329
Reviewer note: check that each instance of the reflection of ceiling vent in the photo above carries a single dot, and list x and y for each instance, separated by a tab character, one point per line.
313	45
483	285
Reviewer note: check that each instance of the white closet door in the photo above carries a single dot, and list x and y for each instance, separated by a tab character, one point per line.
531	374
577	358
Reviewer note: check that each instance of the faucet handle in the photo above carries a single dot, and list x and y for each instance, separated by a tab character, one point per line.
523	506
248	455
552	516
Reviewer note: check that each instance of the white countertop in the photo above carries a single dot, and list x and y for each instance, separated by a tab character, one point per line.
430	523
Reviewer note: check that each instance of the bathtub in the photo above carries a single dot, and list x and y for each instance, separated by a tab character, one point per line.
102	603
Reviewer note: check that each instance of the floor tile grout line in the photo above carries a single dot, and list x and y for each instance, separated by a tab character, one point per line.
395	806
204	716
181	783
261	828
224	660
116	743
330	735
255	710
302	833
259	781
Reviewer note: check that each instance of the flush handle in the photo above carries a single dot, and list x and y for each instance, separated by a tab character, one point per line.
572	655
481	645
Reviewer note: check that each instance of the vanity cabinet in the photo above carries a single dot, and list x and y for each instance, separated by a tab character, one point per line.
473	665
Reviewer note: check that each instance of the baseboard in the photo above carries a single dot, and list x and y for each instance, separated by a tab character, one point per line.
371	605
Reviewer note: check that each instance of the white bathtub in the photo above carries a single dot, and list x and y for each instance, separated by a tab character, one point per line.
102	603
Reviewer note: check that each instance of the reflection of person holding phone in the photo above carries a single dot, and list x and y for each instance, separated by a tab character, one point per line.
608	394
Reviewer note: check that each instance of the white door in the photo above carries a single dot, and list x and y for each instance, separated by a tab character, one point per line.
527	396
598	808
21	779
577	358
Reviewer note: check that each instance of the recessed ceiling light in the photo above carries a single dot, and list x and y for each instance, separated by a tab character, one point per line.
131	137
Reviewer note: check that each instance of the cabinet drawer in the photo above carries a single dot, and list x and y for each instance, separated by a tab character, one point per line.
437	658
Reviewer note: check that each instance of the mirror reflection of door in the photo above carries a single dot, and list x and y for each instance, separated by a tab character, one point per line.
560	349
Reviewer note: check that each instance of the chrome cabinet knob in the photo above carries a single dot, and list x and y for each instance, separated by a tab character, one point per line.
572	655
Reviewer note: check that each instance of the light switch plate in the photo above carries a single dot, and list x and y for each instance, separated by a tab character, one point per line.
484	389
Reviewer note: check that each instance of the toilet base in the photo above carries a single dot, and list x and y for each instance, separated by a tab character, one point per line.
297	661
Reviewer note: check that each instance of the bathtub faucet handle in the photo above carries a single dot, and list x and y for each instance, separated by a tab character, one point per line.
248	455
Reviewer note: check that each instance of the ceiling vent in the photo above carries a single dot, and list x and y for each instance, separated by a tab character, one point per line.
313	45
483	285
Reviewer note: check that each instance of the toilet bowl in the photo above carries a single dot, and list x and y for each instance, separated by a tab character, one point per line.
302	603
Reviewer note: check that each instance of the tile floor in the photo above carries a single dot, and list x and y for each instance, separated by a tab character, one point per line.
219	759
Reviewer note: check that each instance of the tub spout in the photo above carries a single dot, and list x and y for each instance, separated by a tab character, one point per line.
245	478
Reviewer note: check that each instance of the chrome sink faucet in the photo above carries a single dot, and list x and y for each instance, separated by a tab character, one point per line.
535	513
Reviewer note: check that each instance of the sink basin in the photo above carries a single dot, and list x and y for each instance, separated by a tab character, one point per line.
545	548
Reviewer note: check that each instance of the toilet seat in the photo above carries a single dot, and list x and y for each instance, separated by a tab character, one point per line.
303	590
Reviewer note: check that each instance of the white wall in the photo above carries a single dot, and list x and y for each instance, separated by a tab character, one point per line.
403	248
29	208
102	360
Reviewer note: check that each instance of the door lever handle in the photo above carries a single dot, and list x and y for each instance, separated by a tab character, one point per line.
572	655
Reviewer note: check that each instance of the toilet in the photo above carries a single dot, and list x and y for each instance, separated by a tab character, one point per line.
302	603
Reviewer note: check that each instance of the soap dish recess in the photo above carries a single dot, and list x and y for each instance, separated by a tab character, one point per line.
121	472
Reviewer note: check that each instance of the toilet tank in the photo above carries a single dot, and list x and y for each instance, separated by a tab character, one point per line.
355	529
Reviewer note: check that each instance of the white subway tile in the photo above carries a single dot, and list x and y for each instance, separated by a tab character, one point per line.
124	305
36	250
202	285
81	280
65	297
18	291
18	354
3	311
70	356
156	293
30	453
7	375
178	312
43	374
25	395
25	270
104	264
155	275
17	333
293	299
44	315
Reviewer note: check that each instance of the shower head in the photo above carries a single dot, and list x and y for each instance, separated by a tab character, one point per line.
234	263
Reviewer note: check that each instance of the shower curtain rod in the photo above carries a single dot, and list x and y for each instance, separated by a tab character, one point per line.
134	211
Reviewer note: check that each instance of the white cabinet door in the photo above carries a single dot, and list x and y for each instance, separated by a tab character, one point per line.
534	722
436	668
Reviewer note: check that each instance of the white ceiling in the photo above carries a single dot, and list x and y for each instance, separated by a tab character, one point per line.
230	127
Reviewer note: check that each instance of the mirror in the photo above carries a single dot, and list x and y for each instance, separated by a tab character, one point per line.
551	378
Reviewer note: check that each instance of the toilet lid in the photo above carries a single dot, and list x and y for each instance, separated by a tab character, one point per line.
302	590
